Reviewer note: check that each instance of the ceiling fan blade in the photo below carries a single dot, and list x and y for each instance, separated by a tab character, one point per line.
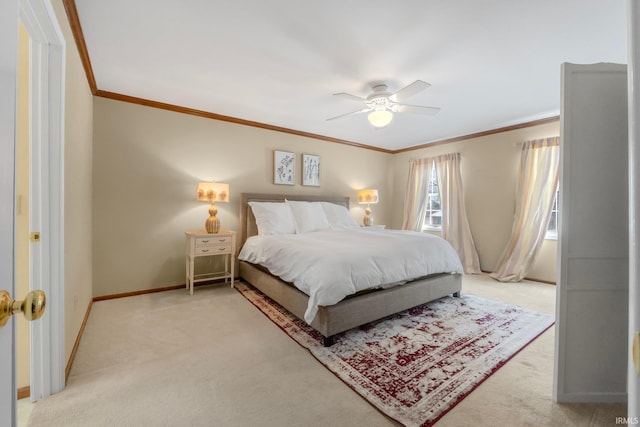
350	97
364	110
410	90
418	109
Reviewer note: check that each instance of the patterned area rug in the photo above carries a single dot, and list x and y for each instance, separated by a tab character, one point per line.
417	365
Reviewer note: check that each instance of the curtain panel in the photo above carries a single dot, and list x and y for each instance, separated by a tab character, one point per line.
455	227
535	191
416	196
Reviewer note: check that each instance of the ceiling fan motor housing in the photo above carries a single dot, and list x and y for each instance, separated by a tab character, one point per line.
379	99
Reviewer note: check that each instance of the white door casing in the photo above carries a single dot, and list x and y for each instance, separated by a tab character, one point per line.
48	74
633	79
8	67
47	47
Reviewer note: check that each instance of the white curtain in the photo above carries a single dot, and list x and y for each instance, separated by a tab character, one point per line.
535	192
455	226
416	196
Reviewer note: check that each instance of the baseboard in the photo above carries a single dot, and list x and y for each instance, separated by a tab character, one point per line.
154	290
77	342
24	392
134	293
592	397
531	279
548	282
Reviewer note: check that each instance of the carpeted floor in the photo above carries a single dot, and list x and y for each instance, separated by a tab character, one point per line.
418	364
212	359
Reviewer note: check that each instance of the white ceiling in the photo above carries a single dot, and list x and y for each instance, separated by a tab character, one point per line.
491	63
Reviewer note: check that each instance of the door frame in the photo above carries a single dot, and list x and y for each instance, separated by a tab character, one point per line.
8	73
633	76
47	84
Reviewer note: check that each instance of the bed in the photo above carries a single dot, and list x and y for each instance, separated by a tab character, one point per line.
354	310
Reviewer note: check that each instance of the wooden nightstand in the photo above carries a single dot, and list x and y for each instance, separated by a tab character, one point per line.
199	243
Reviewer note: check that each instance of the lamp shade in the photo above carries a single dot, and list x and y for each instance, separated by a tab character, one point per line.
213	192
380	117
368	196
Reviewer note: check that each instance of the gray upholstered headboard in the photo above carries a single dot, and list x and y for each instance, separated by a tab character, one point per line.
247	222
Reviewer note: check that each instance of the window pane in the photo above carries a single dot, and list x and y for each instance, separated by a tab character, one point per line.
433	215
552	222
552	227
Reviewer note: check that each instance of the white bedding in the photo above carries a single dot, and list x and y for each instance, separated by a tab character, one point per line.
329	265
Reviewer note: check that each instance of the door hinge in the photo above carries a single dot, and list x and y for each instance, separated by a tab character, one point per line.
35	236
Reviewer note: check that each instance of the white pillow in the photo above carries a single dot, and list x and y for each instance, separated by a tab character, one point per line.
338	216
308	216
273	218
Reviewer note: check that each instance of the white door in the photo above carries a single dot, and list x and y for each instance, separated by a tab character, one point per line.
8	60
633	380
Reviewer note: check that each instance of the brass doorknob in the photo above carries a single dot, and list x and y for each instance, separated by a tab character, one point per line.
32	306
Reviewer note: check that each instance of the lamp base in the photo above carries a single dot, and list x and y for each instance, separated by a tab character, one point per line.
212	225
368	217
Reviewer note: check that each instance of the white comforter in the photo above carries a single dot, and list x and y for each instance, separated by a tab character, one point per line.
332	264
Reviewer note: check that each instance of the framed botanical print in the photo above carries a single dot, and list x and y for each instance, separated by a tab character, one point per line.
310	170
284	167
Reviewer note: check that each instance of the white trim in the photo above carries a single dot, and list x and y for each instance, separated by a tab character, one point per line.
633	87
47	192
8	73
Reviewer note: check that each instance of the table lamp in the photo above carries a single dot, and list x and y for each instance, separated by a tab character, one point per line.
213	192
368	196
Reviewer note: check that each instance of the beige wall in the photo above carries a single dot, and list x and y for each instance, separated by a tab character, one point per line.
489	166
147	163
131	173
78	194
22	206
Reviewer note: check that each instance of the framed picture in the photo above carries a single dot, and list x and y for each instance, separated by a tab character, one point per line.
283	167
310	170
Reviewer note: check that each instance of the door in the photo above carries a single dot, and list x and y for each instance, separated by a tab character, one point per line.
8	60
633	380
593	286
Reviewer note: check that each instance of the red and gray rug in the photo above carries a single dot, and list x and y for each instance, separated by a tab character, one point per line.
417	365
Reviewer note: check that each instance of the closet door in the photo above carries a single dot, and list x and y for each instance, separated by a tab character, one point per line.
593	279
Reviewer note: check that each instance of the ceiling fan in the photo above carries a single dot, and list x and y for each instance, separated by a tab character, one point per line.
381	104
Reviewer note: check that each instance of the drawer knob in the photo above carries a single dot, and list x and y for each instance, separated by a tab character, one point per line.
205	241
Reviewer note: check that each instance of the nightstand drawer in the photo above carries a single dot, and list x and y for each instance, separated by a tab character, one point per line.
214	249
213	240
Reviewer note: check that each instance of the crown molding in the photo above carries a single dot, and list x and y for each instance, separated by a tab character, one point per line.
236	120
480	134
78	35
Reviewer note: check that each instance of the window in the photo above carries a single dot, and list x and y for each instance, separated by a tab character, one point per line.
552	227
433	218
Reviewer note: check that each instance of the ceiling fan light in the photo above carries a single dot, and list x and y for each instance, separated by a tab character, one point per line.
380	118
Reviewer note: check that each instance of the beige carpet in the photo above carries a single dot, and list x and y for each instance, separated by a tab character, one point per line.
212	359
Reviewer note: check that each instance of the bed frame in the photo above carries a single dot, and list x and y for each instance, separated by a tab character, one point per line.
354	310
